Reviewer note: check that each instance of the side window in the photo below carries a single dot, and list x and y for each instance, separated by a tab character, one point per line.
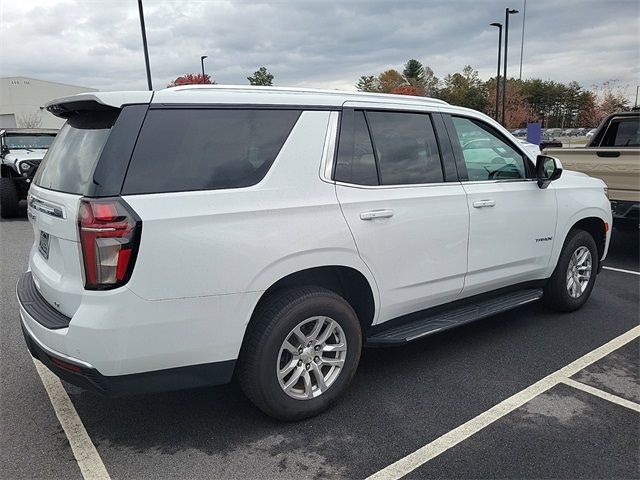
206	149
622	133
486	156
356	163
406	148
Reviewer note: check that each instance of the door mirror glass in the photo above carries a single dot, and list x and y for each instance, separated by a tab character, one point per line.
548	169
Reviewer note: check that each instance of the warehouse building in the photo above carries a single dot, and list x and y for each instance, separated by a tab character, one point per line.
22	101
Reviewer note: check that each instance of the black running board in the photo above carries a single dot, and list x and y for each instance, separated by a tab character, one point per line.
443	320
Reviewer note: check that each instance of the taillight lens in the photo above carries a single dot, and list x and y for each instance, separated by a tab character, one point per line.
109	235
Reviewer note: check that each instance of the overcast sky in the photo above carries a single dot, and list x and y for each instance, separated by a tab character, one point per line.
326	43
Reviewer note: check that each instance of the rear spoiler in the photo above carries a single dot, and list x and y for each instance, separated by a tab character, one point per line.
66	107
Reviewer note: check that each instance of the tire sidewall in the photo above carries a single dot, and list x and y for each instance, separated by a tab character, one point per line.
286	320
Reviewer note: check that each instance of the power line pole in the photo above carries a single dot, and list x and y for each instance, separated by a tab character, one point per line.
524	15
144	45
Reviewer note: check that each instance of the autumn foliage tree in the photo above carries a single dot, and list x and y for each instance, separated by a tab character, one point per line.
407	90
192	79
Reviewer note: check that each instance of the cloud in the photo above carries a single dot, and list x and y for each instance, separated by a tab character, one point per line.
326	43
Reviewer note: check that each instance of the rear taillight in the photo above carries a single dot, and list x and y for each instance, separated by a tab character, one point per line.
109	235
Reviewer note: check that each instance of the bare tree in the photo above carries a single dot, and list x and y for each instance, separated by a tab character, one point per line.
30	120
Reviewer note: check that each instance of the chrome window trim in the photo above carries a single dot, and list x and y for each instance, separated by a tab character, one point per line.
329	148
404	185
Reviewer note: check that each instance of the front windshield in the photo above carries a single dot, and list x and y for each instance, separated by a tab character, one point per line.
15	142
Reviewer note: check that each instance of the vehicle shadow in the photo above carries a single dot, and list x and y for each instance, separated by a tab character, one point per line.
624	250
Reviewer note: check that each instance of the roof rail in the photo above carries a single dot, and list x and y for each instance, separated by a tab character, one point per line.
294	90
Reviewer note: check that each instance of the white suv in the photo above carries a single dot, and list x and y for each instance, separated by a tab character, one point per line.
198	234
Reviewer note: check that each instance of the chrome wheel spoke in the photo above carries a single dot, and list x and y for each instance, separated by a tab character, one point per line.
287	369
306	380
579	272
316	329
288	346
331	326
338	347
333	362
294	378
302	338
319	377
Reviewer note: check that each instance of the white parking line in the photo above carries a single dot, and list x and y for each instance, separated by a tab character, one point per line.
602	394
84	450
445	442
621	270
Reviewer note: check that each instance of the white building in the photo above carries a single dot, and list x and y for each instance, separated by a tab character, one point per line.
22	101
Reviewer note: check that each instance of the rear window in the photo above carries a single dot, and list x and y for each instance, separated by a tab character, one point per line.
206	149
70	161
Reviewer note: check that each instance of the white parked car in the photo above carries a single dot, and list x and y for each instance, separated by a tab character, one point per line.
195	234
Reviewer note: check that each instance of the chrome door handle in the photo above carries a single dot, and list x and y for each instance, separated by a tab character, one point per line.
376	214
484	203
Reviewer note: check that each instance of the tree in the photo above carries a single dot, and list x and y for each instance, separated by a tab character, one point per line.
430	83
261	77
192	79
407	90
29	120
611	98
368	83
464	89
390	79
413	72
588	113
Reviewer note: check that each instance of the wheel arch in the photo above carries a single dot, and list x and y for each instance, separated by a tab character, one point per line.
346	281
595	226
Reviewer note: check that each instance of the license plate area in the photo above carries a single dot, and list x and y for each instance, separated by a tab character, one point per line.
43	245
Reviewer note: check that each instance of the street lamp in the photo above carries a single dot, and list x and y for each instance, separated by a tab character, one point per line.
507	12
499	25
202	63
144	44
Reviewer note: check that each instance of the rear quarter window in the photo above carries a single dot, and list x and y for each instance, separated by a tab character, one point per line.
206	149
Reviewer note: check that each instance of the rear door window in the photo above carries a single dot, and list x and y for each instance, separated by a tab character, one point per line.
70	161
406	148
206	149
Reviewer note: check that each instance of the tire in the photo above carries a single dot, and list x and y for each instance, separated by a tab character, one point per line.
8	198
264	355
563	293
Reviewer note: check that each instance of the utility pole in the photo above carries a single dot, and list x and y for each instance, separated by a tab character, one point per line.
524	15
499	25
144	45
507	12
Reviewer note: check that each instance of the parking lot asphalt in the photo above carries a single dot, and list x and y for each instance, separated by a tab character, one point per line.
401	399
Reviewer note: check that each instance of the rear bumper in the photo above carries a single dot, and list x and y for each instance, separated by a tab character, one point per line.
122	355
84	375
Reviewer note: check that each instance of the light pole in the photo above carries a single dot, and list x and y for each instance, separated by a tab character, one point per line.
499	25
144	44
202	63
507	12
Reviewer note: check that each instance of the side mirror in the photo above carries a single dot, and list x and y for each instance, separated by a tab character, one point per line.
548	169
4	150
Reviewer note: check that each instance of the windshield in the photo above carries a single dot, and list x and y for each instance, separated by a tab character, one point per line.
16	142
